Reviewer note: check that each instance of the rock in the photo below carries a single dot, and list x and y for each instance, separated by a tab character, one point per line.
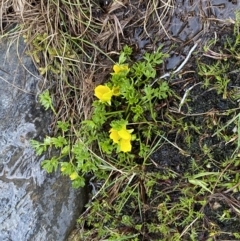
33	205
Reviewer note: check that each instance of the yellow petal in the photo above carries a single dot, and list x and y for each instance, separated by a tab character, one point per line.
103	93
117	68
100	90
74	176
125	145
114	135
124	134
106	97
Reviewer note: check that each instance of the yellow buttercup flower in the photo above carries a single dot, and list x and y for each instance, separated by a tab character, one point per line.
103	93
124	134
117	68
125	145
122	138
114	136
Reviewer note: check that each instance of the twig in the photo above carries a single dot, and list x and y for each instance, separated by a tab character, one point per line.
185	96
180	67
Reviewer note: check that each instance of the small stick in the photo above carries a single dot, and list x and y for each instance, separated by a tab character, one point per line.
180	67
185	96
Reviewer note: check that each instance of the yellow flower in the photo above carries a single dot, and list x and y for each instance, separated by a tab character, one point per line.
74	176
124	134
114	136
103	93
117	68
122	138
125	145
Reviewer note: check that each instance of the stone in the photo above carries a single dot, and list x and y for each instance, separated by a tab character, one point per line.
34	205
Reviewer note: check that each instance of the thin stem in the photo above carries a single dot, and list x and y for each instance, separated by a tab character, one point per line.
180	67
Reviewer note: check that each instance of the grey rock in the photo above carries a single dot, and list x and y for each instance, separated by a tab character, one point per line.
33	205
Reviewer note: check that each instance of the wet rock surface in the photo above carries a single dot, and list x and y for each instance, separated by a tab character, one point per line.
33	205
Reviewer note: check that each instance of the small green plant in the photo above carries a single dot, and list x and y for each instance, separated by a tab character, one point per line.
123	119
218	73
46	101
115	144
215	73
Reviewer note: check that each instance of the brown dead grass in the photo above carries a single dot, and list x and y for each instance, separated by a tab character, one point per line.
93	35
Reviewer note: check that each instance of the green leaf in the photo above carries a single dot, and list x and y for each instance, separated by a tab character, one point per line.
106	146
163	91
46	101
38	147
122	58
59	141
155	58
99	114
127	50
65	150
89	124
138	69
64	126
80	151
50	165
138	111
47	141
200	183
149	93
67	168
79	182
144	150
149	72
118	124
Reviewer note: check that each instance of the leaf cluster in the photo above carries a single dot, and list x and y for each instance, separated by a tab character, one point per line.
133	108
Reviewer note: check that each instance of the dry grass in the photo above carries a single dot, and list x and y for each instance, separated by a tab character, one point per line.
80	39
